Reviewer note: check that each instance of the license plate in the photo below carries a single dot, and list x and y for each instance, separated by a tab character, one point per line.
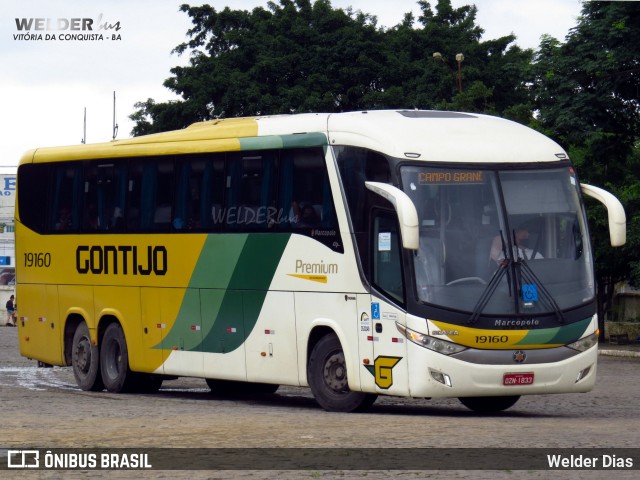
510	379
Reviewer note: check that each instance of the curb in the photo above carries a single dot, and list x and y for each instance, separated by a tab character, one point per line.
619	353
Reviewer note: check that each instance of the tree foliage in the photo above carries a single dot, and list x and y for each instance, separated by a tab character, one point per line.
299	56
587	93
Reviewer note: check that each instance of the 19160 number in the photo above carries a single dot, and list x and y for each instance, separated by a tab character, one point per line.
492	338
39	260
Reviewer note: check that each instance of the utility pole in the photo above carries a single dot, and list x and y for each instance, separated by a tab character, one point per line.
115	125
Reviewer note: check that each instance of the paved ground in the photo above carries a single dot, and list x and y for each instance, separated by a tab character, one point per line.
44	408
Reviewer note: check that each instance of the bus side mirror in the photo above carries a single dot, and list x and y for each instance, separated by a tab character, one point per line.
405	209
617	217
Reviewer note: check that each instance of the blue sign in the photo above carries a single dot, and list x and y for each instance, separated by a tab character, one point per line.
529	292
375	311
5	260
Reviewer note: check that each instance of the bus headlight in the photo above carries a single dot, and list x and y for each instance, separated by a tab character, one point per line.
435	344
585	343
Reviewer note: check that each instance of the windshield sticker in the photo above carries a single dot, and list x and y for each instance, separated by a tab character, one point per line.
384	241
529	292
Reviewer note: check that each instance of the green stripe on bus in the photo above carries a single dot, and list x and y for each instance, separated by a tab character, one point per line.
226	292
218	261
298	140
556	336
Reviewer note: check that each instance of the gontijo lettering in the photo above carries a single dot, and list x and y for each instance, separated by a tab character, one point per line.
121	260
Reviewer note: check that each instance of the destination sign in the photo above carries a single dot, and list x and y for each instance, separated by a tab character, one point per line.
442	177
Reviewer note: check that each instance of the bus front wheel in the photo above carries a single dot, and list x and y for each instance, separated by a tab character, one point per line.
85	359
114	360
327	376
489	404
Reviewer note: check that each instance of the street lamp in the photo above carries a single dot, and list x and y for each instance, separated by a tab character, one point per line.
437	56
459	59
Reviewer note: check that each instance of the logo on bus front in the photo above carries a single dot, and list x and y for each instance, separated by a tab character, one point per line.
382	370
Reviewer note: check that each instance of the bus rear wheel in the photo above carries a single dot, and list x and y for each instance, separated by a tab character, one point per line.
327	376
85	359
114	360
489	404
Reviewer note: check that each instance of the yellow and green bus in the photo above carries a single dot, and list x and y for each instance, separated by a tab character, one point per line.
408	253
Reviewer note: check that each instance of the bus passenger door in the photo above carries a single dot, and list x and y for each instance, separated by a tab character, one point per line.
389	368
365	344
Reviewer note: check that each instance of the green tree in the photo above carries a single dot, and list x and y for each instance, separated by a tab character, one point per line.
493	74
299	56
292	57
587	96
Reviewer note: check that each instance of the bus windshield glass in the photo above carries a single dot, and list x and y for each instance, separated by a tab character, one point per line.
500	242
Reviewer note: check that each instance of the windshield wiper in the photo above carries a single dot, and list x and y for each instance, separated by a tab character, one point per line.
492	285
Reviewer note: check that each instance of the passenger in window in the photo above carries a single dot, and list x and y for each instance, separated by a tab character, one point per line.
91	222
64	219
117	221
304	215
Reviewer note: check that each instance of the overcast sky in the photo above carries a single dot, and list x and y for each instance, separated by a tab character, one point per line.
45	85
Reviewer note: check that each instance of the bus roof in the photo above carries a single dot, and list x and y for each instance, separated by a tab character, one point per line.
412	134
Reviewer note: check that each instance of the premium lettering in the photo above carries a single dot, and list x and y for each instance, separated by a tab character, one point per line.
121	260
323	268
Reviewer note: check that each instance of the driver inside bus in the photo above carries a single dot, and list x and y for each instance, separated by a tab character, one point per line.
520	249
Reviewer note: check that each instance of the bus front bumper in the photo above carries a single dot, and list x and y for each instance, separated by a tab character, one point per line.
436	375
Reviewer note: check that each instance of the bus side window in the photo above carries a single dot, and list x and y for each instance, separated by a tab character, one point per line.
250	190
33	195
151	188
64	213
104	197
199	186
305	199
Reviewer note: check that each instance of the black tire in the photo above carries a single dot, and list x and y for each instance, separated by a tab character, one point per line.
327	377
230	387
114	360
489	404
85	359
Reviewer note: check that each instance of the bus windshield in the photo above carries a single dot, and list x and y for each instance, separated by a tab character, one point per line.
500	242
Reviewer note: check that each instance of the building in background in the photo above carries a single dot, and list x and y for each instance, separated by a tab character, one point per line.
7	236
